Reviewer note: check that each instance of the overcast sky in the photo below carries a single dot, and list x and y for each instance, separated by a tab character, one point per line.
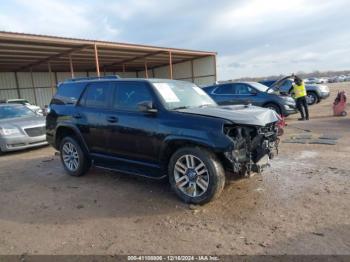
252	37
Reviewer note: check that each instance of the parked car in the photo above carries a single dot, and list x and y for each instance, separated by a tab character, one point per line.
20	128
251	93
159	128
24	102
311	80
315	92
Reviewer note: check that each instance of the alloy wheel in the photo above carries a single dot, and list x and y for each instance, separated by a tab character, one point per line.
310	99
191	176
70	156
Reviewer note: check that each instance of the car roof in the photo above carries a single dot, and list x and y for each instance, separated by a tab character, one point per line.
150	80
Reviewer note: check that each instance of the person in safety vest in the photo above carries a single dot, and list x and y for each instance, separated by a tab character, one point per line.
300	97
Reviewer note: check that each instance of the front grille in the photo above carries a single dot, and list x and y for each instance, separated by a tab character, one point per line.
35	131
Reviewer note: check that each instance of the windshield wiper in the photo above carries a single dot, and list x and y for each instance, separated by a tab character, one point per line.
204	105
180	107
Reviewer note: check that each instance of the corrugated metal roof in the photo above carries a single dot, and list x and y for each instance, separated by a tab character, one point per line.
22	52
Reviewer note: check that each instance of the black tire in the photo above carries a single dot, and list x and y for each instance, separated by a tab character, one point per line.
83	164
274	107
215	173
312	98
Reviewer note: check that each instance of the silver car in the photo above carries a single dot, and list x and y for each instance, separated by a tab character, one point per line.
20	128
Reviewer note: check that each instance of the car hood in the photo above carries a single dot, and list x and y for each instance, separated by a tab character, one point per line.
23	121
240	114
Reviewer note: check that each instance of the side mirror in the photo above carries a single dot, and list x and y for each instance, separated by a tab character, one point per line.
147	107
253	92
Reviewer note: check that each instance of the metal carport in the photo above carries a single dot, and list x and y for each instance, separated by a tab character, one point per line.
32	65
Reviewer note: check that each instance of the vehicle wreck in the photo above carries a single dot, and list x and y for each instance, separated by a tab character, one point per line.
253	132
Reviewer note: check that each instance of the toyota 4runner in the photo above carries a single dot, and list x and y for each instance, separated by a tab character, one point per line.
159	128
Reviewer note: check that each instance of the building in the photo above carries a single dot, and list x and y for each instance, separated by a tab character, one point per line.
32	65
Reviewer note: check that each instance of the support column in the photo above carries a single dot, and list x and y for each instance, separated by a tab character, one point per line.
216	74
97	62
34	90
51	82
123	68
146	69
192	71
170	65
71	66
17	85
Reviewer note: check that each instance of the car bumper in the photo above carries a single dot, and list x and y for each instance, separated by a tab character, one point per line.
286	111
324	95
8	144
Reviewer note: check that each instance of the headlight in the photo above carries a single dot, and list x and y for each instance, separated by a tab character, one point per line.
324	88
8	131
288	100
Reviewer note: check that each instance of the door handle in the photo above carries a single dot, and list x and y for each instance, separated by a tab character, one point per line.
112	119
77	115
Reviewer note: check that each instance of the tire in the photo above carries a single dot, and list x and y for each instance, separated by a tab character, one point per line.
69	147
311	98
210	176
273	107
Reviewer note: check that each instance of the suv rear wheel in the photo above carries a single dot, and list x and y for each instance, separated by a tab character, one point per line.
196	175
73	158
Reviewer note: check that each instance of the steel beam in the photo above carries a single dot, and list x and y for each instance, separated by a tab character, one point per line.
71	66
96	60
34	90
41	61
170	65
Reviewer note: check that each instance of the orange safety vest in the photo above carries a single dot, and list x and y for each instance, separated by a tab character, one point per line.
299	91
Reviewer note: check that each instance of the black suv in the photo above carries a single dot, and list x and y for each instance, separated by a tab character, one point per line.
159	128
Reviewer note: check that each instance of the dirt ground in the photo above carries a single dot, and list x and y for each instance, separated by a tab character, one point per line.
298	206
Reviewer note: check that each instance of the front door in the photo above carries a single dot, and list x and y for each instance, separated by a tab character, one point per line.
134	134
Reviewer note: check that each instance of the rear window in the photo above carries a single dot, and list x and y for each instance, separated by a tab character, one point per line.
68	93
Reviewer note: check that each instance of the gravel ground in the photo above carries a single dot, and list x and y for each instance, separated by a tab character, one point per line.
298	206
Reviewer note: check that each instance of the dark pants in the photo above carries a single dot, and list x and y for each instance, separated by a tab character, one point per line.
302	107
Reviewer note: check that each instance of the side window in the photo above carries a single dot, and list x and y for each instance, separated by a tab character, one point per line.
224	90
128	95
242	89
68	93
97	95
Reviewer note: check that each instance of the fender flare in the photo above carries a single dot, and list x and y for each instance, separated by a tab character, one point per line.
76	132
183	139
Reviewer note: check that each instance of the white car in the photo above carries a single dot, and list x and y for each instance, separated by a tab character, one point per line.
24	102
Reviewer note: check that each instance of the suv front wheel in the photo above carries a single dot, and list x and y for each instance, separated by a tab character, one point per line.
196	175
73	158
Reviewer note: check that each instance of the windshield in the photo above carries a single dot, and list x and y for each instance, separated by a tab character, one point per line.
15	111
261	87
181	95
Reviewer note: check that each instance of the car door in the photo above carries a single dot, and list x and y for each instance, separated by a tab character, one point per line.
245	94
134	134
224	94
92	115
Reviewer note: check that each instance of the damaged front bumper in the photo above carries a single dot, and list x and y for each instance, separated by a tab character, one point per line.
252	148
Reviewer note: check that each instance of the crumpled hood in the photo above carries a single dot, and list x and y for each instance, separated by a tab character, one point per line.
240	114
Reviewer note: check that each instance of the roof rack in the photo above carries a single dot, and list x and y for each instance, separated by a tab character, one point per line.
76	79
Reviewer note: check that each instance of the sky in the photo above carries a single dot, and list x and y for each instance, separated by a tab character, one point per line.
253	38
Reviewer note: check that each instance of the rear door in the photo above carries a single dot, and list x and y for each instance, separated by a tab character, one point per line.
92	115
224	94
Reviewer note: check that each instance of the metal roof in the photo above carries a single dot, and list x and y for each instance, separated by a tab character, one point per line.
25	52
